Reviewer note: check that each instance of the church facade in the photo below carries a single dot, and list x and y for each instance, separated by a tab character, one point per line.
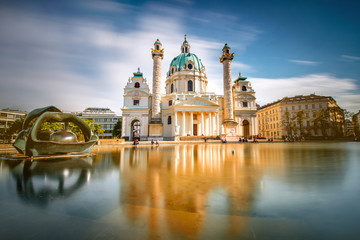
186	108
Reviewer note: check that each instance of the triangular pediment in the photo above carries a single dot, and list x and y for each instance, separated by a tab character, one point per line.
197	102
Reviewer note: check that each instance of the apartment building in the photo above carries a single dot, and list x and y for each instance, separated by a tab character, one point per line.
276	118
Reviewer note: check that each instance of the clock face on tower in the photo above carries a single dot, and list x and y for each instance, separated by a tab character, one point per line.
190	66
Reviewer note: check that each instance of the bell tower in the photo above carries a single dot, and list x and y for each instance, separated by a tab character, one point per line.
228	117
185	47
155	125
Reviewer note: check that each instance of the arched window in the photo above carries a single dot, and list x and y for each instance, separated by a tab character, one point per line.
244	88
137	85
172	70
172	88
157	47
186	50
190	86
227	51
169	120
190	66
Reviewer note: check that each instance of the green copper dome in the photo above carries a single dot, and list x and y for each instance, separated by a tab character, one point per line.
182	59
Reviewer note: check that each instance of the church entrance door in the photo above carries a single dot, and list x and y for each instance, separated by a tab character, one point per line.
135	129
246	128
195	129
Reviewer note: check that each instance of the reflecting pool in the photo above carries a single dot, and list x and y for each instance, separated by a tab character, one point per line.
190	191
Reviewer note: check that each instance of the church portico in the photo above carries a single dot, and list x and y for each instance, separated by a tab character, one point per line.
195	123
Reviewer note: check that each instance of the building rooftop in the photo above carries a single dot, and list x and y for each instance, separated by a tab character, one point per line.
298	98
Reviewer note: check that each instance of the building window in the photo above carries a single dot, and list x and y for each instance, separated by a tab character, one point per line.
169	120
320	106
245	104
172	88
157	47
313	106
136	102
306	106
299	107
172	70
244	88
190	86
190	66
227	51
170	102
137	85
186	49
292	107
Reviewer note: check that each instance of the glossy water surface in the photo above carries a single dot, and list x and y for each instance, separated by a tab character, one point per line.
204	191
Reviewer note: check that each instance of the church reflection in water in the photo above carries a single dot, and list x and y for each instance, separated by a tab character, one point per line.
184	185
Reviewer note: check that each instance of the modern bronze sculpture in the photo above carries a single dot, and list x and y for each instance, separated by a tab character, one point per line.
32	141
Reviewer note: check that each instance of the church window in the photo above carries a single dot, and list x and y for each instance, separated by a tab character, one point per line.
172	70
190	66
137	85
190	86
170	102
169	120
136	102
186	49
244	88
157	47
227	51
245	104
172	88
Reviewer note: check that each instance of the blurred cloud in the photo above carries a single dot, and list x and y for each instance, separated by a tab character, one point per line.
350	58
304	62
74	63
78	61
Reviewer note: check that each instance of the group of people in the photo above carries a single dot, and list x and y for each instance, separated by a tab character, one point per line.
154	142
136	142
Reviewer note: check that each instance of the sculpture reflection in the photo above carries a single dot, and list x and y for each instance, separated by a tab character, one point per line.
40	182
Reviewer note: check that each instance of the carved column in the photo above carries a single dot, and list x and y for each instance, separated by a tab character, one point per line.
183	124
175	122
155	125
191	124
210	122
202	123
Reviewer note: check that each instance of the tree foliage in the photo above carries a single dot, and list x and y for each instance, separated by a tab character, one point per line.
117	129
289	123
300	116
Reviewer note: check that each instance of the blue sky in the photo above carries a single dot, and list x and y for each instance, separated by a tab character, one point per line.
77	54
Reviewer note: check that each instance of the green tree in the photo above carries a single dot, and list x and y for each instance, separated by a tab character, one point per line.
356	125
321	121
95	128
117	129
300	116
336	116
288	123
